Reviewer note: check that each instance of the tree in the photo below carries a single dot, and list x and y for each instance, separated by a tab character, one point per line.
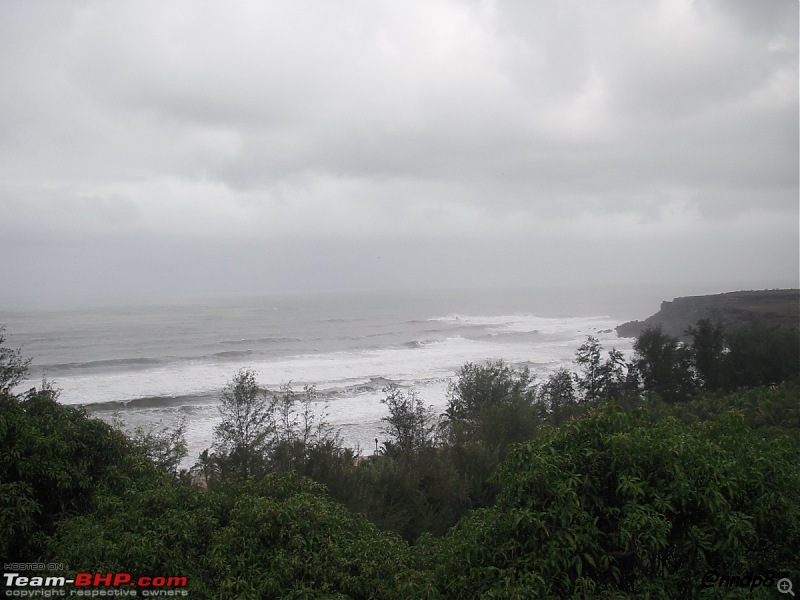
409	423
54	462
664	365
708	352
280	536
759	355
13	367
558	396
587	357
600	380
165	446
492	404
296	432
263	431
621	505
206	468
241	440
617	380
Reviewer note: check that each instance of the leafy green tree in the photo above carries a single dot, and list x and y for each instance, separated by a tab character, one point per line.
263	431
618	381
241	440
558	397
602	380
618	505
155	527
165	446
280	536
771	410
333	465
297	432
664	365
54	461
410	424
205	470
294	542
490	407
13	367
708	353
759	355
410	493
492	404
587	357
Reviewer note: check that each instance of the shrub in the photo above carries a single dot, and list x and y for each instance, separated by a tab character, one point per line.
612	504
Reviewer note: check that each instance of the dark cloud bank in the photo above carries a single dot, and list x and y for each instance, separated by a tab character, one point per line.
190	147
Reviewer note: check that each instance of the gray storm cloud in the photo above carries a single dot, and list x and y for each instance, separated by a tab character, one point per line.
521	137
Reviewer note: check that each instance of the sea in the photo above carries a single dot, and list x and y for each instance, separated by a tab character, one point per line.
152	362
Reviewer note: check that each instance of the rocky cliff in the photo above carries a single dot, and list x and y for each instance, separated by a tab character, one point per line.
773	308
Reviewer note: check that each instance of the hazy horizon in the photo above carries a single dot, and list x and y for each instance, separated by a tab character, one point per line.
630	294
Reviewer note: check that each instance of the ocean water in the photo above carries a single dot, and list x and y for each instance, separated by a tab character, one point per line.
153	361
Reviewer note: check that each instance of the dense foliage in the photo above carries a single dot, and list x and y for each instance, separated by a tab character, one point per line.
715	360
275	537
622	479
12	365
55	462
613	504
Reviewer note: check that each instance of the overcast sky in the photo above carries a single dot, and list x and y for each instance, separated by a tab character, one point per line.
197	146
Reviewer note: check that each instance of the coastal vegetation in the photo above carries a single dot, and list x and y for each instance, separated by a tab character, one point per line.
624	478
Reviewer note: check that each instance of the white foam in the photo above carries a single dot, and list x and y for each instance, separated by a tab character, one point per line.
330	370
334	370
528	323
348	377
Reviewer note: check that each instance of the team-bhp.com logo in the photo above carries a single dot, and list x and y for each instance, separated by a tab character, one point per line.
93	585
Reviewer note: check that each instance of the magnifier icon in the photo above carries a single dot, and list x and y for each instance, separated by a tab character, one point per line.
785	586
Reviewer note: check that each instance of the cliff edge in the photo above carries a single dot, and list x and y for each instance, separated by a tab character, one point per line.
772	308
